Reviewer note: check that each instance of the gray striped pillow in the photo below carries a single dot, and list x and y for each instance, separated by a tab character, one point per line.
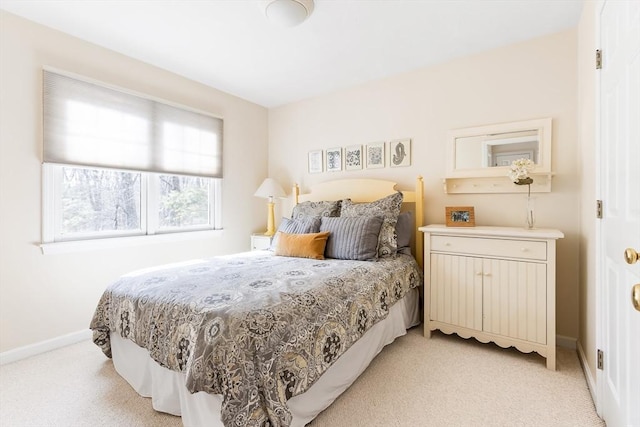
296	226
354	238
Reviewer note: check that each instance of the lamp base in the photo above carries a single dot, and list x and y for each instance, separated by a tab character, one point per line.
271	228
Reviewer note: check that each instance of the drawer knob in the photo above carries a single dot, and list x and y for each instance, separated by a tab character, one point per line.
524	250
487	274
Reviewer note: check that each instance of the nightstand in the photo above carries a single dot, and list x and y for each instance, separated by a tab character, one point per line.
260	242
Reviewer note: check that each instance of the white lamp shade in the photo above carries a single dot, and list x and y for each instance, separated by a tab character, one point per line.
288	13
269	188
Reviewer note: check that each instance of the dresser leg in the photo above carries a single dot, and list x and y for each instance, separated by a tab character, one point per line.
427	331
551	360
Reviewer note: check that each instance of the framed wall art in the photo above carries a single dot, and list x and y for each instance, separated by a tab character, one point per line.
334	159
353	157
375	155
315	161
460	216
400	153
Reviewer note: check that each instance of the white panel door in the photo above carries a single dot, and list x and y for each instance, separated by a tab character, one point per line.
619	141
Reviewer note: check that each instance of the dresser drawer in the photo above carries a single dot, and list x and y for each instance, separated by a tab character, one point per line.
503	248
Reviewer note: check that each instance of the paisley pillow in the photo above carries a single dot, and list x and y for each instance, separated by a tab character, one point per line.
316	209
389	208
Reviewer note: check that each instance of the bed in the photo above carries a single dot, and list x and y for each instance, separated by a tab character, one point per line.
262	339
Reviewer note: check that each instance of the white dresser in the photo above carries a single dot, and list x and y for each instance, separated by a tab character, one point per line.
494	284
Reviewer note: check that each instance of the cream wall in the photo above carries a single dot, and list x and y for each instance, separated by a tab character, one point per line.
529	80
587	156
46	296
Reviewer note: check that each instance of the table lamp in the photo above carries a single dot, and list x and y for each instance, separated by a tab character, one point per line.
268	190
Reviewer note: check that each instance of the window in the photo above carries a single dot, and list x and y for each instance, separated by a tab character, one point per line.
183	202
88	203
98	202
117	164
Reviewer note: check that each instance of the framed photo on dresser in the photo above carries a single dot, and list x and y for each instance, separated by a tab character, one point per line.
460	216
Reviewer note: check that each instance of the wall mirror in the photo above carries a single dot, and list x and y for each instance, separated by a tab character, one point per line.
486	151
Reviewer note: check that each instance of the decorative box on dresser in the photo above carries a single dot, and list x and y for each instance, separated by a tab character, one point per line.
494	284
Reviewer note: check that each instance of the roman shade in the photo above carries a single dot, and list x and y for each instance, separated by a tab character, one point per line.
89	124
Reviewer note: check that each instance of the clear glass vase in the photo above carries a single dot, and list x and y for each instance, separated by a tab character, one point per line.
530	214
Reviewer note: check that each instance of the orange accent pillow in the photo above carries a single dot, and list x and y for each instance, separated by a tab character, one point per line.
309	245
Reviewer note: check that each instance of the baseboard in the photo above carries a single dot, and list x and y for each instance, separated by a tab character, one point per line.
566	342
52	344
591	384
43	346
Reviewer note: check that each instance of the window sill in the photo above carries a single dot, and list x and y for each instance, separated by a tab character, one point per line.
120	242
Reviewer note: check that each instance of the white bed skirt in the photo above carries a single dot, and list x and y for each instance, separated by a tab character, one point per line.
169	394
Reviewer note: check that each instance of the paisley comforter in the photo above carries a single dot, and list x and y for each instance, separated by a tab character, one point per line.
254	327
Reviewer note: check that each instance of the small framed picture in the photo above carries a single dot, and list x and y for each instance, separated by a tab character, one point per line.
315	161
353	157
400	153
375	155
334	159
460	216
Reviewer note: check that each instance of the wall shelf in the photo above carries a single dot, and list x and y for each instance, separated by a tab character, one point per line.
492	184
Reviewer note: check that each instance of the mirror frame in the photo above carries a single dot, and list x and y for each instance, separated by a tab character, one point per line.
544	127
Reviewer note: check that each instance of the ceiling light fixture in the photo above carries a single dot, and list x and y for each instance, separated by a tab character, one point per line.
288	13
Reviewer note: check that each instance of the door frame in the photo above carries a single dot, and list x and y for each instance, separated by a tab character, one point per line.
599	269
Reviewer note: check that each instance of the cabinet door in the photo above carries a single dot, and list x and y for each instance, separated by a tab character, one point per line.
456	290
515	299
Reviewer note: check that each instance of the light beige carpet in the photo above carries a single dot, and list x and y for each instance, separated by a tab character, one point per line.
445	381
